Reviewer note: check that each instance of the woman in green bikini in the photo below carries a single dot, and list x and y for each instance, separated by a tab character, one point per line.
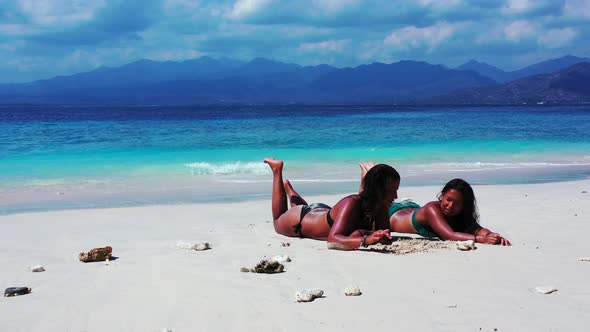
453	217
355	221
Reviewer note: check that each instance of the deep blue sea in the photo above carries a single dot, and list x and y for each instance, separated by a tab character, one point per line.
62	157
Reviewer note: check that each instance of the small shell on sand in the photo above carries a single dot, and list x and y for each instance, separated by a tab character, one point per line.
308	295
199	246
352	290
36	268
545	289
465	245
285	244
584	259
281	259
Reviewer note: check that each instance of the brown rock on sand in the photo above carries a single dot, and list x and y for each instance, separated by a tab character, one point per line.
265	266
96	255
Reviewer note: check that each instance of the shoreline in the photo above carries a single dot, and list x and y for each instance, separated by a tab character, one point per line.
173	190
153	285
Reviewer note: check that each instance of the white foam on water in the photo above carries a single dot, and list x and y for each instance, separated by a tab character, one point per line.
292	181
490	166
204	168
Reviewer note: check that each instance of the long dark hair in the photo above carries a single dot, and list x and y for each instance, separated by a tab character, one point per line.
469	213
374	186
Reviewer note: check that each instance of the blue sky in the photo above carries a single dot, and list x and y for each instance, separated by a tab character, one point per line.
44	38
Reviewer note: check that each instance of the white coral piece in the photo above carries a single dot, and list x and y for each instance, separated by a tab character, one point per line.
201	246
193	246
465	245
308	295
304	296
545	289
317	292
36	268
281	259
352	290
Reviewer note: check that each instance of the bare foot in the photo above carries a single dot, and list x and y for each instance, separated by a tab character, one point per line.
294	198
365	167
275	165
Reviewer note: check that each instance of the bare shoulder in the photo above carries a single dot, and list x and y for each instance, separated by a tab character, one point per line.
350	199
432	208
349	203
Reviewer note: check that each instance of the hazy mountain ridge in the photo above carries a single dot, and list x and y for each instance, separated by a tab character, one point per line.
543	67
208	80
569	85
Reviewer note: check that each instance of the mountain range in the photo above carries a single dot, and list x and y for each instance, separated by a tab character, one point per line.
543	67
569	85
212	81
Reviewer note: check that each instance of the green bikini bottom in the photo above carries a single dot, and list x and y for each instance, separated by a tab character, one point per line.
423	230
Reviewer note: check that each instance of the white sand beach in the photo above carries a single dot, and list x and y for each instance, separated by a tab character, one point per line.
153	285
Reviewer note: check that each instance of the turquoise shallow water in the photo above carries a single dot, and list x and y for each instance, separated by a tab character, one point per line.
54	157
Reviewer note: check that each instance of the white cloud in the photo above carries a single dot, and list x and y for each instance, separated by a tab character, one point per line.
334	6
247	8
517	6
53	12
518	30
577	8
16	29
413	37
329	45
556	38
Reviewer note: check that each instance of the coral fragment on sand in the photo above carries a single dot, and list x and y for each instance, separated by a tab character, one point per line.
16	291
465	245
265	266
96	255
545	289
36	268
308	295
198	246
281	259
352	290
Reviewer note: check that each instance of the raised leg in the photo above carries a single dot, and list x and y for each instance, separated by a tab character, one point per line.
279	197
294	198
365	167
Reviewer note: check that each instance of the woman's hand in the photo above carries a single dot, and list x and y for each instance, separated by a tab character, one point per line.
380	236
495	238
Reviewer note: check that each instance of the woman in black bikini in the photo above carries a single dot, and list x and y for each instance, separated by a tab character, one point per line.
355	221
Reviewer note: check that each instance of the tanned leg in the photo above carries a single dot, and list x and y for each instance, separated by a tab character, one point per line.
279	197
294	198
365	167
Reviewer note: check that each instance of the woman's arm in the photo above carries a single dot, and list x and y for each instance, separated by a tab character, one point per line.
438	223
344	234
441	227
